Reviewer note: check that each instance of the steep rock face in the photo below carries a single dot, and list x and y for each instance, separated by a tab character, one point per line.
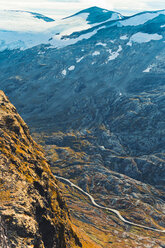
33	212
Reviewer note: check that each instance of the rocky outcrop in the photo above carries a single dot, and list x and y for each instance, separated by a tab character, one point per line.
32	210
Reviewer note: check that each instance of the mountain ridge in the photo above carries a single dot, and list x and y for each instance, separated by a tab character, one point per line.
31	32
97	15
93	97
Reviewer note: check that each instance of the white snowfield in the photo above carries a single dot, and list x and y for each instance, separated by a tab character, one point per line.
21	40
19	29
23	30
144	38
141	18
22	21
108	209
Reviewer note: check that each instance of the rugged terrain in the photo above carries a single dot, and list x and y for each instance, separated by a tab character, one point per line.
92	92
78	157
33	212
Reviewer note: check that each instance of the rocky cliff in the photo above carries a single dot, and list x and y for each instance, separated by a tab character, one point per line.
32	210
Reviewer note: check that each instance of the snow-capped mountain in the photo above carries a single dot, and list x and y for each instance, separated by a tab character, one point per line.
99	76
94	41
23	21
95	15
23	30
69	61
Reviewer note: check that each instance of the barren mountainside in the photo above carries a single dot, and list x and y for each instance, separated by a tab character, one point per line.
32	211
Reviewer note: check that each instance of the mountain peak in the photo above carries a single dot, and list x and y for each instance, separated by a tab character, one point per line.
94	9
97	15
20	13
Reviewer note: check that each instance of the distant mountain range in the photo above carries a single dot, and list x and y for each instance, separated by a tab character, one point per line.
23	29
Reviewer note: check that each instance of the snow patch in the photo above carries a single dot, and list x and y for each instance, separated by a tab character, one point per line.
116	16
79	60
96	53
20	40
64	72
129	43
69	25
149	68
144	38
141	18
71	68
162	26
101	44
124	37
59	43
114	55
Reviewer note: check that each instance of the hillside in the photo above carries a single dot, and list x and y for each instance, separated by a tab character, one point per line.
91	89
33	212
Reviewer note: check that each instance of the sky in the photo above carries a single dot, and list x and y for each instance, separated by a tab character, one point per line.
62	8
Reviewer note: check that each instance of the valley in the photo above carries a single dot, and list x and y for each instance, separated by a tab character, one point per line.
91	89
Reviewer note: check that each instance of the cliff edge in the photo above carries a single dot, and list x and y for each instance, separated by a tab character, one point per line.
32	210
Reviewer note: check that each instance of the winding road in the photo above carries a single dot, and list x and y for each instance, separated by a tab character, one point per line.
109	209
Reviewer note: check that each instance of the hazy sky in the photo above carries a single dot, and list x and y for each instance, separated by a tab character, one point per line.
62	8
